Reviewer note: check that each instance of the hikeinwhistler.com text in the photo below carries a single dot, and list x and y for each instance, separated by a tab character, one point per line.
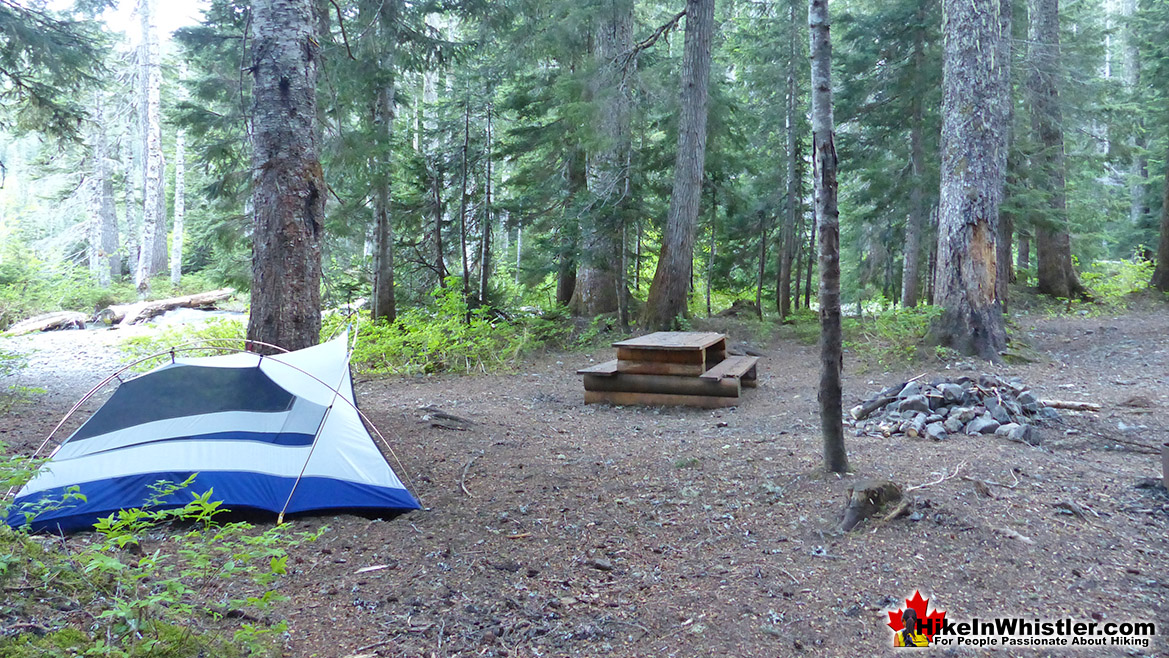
1019	632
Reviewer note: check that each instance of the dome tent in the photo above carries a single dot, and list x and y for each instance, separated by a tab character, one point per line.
278	433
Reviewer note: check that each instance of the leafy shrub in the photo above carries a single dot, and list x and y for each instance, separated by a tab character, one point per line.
1112	281
448	336
182	595
891	336
885	338
225	332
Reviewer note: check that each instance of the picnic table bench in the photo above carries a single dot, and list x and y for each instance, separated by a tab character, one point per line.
688	368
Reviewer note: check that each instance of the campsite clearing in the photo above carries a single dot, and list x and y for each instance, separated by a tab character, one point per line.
555	528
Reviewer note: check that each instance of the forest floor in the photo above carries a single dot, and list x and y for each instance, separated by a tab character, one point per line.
552	528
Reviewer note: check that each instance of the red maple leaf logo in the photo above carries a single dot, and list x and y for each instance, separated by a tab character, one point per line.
930	623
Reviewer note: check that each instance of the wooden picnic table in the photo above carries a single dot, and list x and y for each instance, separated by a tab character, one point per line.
671	368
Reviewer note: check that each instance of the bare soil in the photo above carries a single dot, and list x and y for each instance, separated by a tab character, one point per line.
552	528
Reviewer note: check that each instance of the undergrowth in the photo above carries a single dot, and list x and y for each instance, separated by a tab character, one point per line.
149	582
884	339
215	333
447	335
30	287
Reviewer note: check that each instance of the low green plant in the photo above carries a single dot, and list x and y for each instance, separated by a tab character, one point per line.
1111	282
448	336
155	581
891	336
216	332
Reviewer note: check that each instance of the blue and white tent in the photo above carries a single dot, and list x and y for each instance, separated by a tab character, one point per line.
279	433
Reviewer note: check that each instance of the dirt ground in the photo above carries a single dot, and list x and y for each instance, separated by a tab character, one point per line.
552	528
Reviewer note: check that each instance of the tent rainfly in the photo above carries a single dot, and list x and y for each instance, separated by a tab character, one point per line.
277	433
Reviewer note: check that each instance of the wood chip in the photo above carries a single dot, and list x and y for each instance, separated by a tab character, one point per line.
376	567
1015	535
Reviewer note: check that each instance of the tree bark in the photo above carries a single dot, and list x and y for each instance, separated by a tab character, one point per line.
287	180
764	236
1160	279
104	264
828	217
783	293
463	201
152	247
710	255
176	251
808	272
668	291
1056	276
384	305
1138	169
569	231
598	285
485	229
976	97
911	256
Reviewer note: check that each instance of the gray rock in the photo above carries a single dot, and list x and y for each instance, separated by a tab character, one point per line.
936	402
911	389
982	425
997	411
935	431
1047	413
916	403
989	381
1027	397
952	392
953	425
1005	430
1023	434
934	418
963	414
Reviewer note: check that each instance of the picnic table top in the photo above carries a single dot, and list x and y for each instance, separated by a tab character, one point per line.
673	340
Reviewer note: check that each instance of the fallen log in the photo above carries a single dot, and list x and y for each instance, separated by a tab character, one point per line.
127	314
49	322
1071	406
864	410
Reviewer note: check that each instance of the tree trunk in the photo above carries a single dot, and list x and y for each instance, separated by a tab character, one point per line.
463	201
1053	243
1023	257
384	306
519	252
783	293
287	180
152	248
667	294
828	217
808	273
975	104
1160	279
485	229
104	264
1138	169
566	266
710	258
381	50
598	284
911	256
763	238
176	250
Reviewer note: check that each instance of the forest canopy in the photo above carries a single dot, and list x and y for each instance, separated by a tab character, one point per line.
528	152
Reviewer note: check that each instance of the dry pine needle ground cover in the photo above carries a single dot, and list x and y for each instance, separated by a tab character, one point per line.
552	528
